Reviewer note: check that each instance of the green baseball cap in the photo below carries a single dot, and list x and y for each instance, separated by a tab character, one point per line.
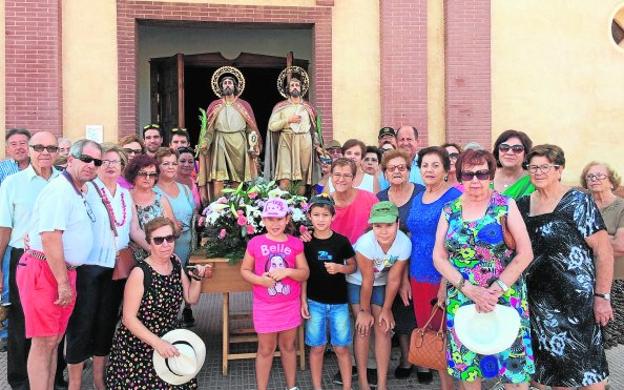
384	212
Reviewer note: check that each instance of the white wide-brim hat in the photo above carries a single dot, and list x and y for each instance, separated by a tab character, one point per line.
184	367
487	333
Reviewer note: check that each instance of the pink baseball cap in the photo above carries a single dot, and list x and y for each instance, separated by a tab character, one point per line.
275	208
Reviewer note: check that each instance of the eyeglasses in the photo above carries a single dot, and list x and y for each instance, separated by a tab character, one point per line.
370	159
49	148
517	149
398	167
132	151
595	177
148	175
88	160
545	168
481	175
169	164
151	126
111	163
453	156
160	240
90	212
342	176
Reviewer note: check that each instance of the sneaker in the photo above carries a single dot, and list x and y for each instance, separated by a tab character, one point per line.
371	376
187	318
338	378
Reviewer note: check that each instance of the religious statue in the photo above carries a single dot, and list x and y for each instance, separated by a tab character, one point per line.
229	141
293	141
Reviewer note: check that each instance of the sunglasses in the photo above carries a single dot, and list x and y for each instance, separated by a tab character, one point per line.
151	126
148	175
160	240
176	130
517	149
481	175
49	148
88	160
132	151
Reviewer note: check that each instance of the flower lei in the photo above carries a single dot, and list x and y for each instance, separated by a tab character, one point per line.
109	207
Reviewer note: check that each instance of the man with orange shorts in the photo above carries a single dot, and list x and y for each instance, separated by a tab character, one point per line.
60	239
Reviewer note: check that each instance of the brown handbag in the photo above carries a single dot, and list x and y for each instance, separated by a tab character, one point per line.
123	264
508	238
427	345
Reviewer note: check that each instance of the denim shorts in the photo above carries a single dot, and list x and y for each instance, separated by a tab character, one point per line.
323	314
377	297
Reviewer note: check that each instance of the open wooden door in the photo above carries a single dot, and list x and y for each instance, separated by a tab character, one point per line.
167	92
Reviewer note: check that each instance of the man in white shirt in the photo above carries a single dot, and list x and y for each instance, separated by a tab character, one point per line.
407	140
60	240
17	198
16	151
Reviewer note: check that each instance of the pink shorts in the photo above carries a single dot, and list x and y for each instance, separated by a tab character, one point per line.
38	291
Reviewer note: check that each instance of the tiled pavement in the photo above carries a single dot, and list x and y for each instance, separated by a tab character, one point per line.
241	376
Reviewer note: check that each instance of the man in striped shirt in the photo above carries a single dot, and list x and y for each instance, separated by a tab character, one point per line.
17	153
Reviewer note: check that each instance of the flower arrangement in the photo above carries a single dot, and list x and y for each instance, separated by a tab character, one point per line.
233	219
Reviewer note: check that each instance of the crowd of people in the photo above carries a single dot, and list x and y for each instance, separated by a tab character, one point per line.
398	228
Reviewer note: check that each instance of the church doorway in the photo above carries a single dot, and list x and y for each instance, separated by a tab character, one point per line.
180	85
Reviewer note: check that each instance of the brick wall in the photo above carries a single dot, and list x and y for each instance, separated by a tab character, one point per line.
468	73
403	29
130	12
33	65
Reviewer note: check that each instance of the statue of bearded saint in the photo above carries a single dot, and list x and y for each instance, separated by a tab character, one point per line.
293	156
227	153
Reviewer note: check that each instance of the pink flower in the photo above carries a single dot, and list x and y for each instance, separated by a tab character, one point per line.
250	229
222	199
252	195
241	221
239	212
303	229
222	234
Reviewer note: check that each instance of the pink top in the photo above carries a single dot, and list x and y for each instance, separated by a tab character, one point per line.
269	255
352	221
124	183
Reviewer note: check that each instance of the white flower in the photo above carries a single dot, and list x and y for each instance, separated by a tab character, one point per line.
298	215
277	193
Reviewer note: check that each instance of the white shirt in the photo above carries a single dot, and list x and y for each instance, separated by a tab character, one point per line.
367	245
60	207
104	249
17	198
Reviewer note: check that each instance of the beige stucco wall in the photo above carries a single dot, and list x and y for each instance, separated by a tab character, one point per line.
436	103
89	67
2	82
355	70
306	3
557	74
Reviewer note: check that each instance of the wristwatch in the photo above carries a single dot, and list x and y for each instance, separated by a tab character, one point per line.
502	285
606	297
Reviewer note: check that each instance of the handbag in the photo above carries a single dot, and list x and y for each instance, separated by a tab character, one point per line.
508	238
123	264
427	345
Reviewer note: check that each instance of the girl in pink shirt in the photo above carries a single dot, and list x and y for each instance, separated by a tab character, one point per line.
275	265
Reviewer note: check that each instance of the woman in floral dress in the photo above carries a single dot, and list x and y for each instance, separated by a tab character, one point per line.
570	280
471	253
153	295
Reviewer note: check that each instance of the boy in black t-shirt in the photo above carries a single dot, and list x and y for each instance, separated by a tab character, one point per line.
324	296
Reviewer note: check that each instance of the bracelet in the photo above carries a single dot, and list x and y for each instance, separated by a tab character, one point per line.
460	284
502	285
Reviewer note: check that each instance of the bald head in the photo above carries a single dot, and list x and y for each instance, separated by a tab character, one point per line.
43	158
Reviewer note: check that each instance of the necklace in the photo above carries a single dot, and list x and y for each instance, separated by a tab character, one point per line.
109	207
